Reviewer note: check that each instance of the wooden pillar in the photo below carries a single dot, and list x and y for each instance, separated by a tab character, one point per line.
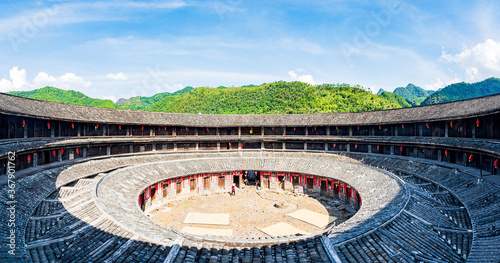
262	131
350	130
307	131
305	146
108	150
445	129
327	130
284	131
197	144
239	131
218	143
175	147
392	150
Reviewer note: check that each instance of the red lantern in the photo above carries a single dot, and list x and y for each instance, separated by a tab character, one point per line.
378	147
97	126
207	128
334	145
358	127
477	122
294	128
62	151
77	151
380	127
229	144
496	163
23	122
427	125
445	152
187	129
451	124
119	127
272	128
48	125
142	128
471	157
337	127
54	153
314	127
355	146
72	125
401	148
165	127
29	158
402	126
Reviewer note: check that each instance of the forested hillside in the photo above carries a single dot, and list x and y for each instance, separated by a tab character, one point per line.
140	103
65	96
275	98
462	91
413	94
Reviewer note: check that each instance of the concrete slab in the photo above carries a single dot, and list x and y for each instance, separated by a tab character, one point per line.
282	229
313	218
207	231
207	219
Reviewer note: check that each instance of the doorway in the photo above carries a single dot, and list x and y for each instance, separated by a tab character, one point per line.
236	180
192	184
178	187
222	181
323	187
206	182
153	193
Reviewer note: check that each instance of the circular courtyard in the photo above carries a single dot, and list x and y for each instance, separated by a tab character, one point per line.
251	213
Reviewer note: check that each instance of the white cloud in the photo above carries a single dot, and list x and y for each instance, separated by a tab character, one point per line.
118	76
110	97
17	81
439	84
303	78
479	62
66	81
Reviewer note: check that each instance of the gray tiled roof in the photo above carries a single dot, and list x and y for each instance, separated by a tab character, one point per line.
55	111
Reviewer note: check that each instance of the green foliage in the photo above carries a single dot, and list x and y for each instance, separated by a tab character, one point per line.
413	94
64	96
462	91
143	103
394	98
275	98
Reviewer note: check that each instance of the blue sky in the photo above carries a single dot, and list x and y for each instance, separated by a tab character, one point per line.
115	49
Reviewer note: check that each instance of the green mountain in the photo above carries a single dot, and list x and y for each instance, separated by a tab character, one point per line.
275	98
394	98
462	91
415	95
140	103
64	96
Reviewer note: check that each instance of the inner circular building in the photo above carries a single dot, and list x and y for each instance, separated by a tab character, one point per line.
98	185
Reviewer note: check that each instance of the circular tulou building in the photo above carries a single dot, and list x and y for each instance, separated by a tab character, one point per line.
83	184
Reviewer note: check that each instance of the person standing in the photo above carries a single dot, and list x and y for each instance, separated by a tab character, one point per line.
233	189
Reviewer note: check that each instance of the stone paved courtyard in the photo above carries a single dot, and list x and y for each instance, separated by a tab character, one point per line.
249	210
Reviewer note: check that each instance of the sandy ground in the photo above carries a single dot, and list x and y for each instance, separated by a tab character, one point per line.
249	210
